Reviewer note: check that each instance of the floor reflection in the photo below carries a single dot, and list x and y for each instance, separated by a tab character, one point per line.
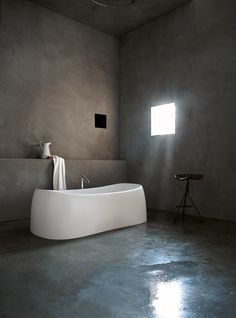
166	299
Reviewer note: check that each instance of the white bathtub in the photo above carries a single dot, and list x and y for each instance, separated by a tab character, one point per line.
69	214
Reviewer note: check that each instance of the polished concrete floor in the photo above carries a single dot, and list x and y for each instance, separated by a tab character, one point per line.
150	270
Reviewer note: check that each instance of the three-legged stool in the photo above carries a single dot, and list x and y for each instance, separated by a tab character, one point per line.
183	203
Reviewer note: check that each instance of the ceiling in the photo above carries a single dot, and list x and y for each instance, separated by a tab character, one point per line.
114	21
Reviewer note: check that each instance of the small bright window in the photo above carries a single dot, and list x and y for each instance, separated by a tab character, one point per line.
163	119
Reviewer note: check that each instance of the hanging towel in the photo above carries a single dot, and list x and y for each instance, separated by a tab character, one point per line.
59	174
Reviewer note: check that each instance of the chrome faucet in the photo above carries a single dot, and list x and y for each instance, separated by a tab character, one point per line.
83	178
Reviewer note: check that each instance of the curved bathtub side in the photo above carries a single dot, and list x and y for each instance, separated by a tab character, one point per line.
44	208
56	215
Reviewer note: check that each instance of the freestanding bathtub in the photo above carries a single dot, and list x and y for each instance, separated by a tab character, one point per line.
68	214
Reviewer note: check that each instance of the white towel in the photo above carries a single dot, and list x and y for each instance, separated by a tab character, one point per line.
59	174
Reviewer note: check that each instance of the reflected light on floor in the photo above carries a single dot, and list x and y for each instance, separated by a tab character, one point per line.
167	300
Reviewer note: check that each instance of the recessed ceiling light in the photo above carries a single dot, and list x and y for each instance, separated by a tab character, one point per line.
113	3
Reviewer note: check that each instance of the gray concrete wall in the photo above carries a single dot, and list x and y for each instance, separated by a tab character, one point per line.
187	57
20	177
55	73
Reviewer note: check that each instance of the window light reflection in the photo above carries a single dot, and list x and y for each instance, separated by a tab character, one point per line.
167	300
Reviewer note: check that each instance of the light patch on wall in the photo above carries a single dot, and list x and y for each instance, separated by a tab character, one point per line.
163	119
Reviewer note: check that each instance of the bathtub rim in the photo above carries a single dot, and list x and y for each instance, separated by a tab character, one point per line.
69	191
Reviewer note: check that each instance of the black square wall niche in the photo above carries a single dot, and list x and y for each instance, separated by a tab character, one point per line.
100	121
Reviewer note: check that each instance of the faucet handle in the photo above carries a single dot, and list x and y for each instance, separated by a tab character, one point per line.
85	178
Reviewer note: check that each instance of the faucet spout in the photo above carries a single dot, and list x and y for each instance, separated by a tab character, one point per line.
84	178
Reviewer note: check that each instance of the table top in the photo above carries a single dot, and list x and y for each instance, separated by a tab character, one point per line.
190	176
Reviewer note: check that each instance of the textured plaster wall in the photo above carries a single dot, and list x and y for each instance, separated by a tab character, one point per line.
187	57
55	74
